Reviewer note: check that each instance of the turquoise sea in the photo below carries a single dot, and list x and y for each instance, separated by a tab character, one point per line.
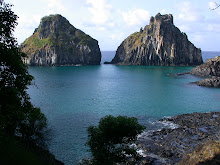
75	97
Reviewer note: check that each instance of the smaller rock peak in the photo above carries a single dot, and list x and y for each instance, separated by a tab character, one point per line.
167	18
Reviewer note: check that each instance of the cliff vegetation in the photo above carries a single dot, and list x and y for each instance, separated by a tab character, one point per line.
57	42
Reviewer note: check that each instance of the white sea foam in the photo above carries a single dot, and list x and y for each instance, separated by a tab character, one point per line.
159	125
141	152
164	124
145	134
169	124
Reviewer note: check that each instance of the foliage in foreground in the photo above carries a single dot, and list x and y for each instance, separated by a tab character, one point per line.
110	142
18	117
13	152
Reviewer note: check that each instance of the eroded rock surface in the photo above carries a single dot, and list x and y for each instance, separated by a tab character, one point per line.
159	43
210	68
168	146
209	82
57	42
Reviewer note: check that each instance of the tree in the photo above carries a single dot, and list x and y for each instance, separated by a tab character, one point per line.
18	117
214	5
111	140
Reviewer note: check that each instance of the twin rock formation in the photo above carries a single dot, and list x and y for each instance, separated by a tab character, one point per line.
57	42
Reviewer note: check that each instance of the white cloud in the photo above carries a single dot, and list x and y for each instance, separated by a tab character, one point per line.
101	28
100	10
213	5
136	17
55	6
188	12
164	11
214	28
117	37
111	21
189	17
111	24
197	38
26	26
184	28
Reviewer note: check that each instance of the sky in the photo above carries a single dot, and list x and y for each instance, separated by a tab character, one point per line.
111	21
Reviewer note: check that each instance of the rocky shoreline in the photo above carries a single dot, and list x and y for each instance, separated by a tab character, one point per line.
169	146
210	69
209	82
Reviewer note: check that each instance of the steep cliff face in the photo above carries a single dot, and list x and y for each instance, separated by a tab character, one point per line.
57	42
160	43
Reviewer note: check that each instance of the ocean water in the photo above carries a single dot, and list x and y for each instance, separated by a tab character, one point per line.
209	54
75	97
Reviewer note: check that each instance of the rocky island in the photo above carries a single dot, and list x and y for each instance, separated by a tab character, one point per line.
57	42
209	69
159	43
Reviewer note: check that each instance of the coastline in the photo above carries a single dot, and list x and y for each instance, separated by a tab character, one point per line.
170	145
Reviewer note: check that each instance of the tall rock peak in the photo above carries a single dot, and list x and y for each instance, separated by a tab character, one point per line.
159	43
168	18
57	42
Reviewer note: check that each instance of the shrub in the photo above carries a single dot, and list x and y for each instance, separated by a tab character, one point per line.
111	140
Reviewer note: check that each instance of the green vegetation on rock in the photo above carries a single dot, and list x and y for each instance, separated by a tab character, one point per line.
64	34
57	42
34	43
136	39
84	39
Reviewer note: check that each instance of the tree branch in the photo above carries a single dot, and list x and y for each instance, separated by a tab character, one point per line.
217	6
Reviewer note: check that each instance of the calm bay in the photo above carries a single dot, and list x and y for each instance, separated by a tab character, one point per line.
75	97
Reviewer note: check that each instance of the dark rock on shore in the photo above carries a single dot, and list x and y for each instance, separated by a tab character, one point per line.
160	43
209	82
57	42
106	62
210	68
168	146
